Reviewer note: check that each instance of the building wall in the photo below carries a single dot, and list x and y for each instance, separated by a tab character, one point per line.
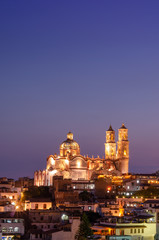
12	227
147	232
89	207
37	205
62	235
7	208
10	195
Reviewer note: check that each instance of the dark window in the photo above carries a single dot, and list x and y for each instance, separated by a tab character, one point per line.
121	232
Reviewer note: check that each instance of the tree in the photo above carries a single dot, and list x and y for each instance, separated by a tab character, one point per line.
86	196
147	193
92	216
84	229
36	192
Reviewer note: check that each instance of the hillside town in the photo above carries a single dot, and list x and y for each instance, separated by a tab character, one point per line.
125	207
78	197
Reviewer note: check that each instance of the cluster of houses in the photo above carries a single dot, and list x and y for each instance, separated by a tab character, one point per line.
119	214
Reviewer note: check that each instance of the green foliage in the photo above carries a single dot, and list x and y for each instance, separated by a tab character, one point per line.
84	229
147	193
36	192
86	196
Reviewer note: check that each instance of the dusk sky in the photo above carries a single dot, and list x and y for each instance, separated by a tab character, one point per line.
77	66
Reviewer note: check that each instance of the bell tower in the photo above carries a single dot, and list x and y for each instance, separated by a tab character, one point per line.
110	145
123	149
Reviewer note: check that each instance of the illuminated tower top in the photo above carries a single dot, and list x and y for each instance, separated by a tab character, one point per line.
110	135
123	133
110	145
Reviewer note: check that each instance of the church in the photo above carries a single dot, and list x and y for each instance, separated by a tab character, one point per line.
72	165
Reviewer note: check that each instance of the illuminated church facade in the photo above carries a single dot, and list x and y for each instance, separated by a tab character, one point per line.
72	165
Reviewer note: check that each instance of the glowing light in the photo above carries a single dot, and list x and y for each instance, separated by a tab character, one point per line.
64	217
52	160
10	197
67	161
17	207
108	148
109	188
54	171
78	164
13	203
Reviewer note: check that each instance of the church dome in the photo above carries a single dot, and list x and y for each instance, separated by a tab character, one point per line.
69	146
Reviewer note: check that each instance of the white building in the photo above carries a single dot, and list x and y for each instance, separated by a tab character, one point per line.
41	204
11	226
72	165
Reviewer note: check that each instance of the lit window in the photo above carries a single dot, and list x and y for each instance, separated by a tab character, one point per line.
15	220
16	229
9	221
4	229
124	152
10	229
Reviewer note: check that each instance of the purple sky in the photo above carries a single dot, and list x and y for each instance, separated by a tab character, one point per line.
77	66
